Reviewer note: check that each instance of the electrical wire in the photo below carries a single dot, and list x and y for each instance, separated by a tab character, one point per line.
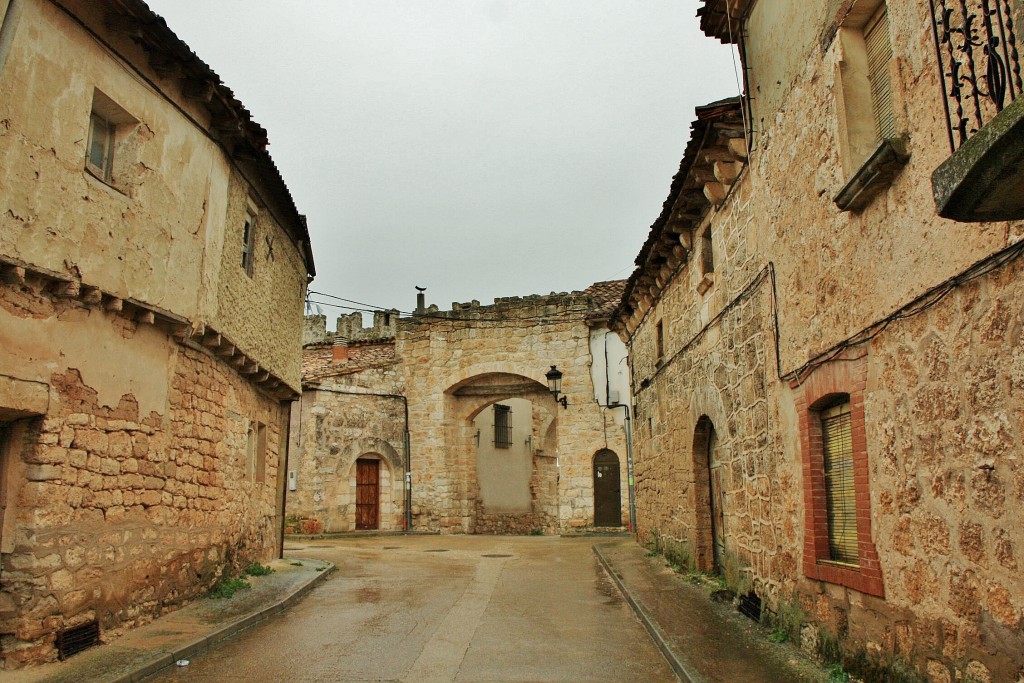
920	304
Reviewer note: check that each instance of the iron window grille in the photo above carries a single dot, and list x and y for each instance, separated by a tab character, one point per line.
502	426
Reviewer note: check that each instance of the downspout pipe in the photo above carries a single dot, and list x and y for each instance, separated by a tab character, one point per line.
7	29
629	464
406	443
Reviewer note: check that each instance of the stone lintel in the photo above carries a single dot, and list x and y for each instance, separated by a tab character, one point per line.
22	398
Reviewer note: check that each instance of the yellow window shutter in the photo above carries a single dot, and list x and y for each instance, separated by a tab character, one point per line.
840	494
879	50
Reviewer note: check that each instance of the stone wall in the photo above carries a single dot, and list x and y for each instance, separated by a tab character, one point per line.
118	512
939	492
337	421
458	363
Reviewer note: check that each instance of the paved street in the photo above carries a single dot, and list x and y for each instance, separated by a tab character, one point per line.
445	608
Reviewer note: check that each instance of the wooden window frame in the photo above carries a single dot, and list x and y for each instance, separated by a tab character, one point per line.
821	389
103	170
260	466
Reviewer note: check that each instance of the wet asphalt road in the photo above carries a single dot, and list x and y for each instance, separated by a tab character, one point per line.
444	608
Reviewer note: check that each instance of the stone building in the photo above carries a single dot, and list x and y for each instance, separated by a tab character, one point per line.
458	402
349	428
153	269
827	374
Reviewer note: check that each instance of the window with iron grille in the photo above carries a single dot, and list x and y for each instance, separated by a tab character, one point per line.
840	495
502	426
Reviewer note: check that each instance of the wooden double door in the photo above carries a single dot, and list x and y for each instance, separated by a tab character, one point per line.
367	493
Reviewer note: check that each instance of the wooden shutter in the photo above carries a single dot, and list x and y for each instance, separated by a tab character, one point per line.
840	495
879	49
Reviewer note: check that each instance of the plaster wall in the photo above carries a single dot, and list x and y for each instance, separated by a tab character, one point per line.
141	237
504	473
166	229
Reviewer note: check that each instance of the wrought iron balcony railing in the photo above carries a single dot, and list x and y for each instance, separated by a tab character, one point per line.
976	45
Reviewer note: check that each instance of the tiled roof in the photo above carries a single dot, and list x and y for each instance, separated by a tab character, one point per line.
607	296
318	359
718	22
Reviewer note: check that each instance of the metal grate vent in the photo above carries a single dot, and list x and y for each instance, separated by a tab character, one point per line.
750	605
71	641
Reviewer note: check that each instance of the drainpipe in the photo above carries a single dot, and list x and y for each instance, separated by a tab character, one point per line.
282	468
7	29
406	447
629	464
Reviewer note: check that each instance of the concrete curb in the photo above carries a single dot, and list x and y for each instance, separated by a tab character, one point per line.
161	660
679	663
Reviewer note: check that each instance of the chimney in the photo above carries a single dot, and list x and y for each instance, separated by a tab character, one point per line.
421	300
340	350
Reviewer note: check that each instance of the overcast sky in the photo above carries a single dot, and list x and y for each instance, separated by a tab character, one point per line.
480	148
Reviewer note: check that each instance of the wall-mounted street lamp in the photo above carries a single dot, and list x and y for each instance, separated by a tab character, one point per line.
554	376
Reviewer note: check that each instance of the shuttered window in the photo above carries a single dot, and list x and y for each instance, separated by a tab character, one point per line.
879	50
840	498
502	426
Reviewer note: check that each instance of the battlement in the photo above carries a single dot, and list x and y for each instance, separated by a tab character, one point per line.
532	307
349	328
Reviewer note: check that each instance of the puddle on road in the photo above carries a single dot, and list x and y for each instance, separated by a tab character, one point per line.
495	555
437	550
392	547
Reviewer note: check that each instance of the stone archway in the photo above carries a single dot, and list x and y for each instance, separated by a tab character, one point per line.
502	488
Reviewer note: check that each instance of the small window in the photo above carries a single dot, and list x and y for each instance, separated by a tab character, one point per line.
660	342
260	473
502	426
109	138
249	244
707	253
250	450
100	157
840	495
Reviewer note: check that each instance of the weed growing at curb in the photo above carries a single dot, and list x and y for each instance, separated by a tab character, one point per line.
227	587
296	564
257	569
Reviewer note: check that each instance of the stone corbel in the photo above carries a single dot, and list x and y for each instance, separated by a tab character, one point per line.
92	296
715	192
727	171
12	275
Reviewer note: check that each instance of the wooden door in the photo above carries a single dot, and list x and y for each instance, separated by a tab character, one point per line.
717	502
607	490
367	493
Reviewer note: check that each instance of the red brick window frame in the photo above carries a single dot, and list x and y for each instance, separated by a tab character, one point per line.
825	386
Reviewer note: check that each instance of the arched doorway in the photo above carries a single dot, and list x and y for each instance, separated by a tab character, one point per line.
367	494
607	489
710	496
